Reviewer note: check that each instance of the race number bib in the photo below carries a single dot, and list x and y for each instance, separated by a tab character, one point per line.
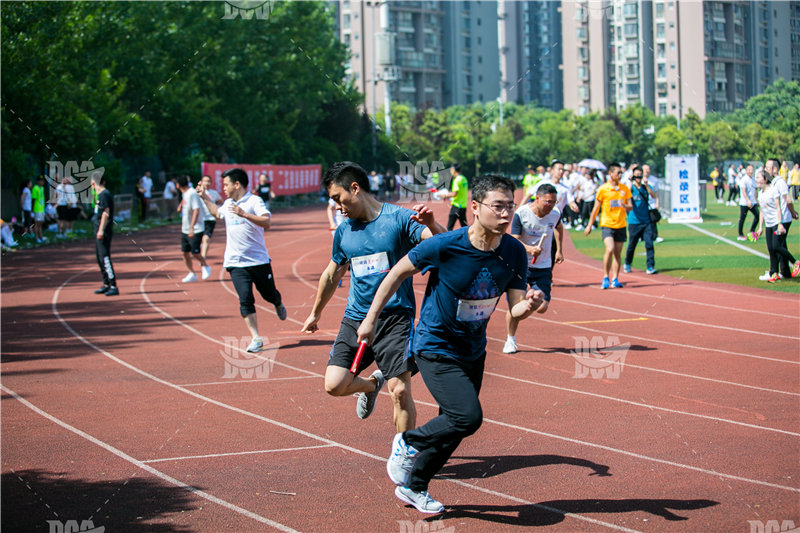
367	265
614	203
475	310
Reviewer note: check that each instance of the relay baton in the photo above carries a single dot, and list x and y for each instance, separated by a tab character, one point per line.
359	353
539	244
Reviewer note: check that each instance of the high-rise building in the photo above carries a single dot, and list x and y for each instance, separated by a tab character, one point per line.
772	37
530	53
631	31
415	45
471	59
444	53
587	56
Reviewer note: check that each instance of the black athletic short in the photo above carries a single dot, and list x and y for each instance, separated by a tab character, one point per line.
208	227
542	279
619	234
191	245
391	350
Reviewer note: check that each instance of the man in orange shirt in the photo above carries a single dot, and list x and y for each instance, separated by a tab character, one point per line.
614	199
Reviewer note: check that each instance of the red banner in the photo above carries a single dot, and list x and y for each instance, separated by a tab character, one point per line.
286	179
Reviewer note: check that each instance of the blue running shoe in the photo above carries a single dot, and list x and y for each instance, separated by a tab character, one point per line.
604	285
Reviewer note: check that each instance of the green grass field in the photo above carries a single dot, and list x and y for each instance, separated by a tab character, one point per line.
689	254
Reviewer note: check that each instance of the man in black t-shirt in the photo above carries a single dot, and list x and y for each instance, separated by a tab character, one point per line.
103	220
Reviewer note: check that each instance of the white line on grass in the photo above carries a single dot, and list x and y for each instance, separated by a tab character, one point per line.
732	243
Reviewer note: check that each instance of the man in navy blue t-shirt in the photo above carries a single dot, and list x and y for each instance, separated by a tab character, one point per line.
370	242
469	270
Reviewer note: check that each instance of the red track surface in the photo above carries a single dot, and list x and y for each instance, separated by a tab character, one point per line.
116	409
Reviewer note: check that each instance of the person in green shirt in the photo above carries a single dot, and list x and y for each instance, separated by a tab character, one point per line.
37	195
529	182
458	193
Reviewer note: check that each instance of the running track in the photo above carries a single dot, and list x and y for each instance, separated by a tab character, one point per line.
117	409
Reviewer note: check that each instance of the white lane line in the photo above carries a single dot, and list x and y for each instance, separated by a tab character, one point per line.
669	343
692	284
728	241
681	321
662	371
229	454
288	427
200	333
635	292
141	464
491	421
645	405
256	380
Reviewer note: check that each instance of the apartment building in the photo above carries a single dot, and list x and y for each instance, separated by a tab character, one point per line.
530	53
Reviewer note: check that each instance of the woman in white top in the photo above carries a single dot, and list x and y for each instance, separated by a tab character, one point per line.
770	216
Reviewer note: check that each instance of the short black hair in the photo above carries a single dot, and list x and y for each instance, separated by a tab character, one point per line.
554	161
344	173
546	188
490	182
456	166
183	181
237	175
612	166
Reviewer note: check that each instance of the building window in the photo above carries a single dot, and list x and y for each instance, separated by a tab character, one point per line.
662	70
659	10
631	29
632	89
662	110
630	10
660	50
581	33
660	30
631	49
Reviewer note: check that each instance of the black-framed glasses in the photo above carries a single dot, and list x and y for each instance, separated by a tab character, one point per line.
498	209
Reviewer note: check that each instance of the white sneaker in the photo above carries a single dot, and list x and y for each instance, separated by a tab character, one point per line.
765	276
255	345
190	277
579	227
401	461
510	345
205	272
421	500
366	400
659	239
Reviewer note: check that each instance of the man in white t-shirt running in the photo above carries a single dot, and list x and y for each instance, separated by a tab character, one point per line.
246	257
209	220
534	225
192	230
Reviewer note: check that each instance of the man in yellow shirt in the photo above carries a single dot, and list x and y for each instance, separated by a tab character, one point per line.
529	183
614	199
794	180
